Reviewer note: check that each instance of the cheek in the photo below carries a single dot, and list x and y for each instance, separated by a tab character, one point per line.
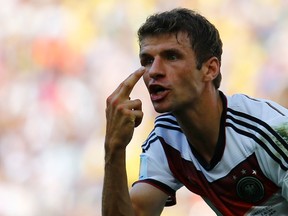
186	86
146	79
182	80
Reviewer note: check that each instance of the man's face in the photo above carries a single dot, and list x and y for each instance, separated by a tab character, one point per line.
171	76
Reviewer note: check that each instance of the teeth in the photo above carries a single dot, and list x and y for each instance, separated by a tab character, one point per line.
159	91
156	89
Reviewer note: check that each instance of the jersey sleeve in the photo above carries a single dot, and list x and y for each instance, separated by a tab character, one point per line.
154	169
273	155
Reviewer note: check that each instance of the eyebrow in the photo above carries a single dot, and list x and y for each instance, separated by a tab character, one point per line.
162	53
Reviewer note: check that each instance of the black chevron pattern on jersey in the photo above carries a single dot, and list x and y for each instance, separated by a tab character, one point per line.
151	139
166	121
261	133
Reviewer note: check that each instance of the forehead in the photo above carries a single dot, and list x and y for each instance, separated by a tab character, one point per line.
179	41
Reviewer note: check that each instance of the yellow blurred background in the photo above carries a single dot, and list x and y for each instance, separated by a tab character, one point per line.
60	59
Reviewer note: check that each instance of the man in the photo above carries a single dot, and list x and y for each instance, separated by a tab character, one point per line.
232	151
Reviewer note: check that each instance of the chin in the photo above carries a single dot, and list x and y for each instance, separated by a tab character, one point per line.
160	110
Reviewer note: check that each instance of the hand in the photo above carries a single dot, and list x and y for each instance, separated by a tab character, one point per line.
123	114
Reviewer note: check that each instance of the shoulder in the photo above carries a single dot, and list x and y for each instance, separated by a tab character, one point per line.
259	108
262	120
166	132
166	122
165	126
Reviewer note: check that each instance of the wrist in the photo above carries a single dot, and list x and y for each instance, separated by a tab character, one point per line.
114	152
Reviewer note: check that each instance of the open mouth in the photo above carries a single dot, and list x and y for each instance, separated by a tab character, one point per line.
156	89
157	92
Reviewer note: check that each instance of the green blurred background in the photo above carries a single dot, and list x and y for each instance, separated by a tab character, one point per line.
60	59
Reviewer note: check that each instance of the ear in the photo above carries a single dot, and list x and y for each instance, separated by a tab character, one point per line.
211	69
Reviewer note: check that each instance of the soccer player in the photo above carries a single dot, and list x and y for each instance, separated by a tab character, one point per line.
231	150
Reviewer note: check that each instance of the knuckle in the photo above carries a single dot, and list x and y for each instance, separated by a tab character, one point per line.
138	103
120	108
111	101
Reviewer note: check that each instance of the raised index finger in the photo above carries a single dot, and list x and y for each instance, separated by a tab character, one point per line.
128	84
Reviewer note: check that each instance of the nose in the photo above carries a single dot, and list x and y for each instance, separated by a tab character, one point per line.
156	70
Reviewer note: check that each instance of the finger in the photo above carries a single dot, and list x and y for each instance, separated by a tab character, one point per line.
124	89
134	108
138	117
128	84
137	111
133	104
123	82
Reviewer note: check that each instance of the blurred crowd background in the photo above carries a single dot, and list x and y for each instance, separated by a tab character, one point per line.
60	59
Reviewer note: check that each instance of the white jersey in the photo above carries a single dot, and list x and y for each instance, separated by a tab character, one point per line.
248	173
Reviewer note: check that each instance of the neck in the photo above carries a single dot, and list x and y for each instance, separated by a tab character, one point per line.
201	125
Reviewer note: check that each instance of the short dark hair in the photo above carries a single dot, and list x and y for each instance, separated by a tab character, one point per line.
204	37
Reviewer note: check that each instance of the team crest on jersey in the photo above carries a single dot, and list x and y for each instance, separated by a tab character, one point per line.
250	189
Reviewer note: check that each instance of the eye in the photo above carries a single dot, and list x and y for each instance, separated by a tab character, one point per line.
146	61
172	55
